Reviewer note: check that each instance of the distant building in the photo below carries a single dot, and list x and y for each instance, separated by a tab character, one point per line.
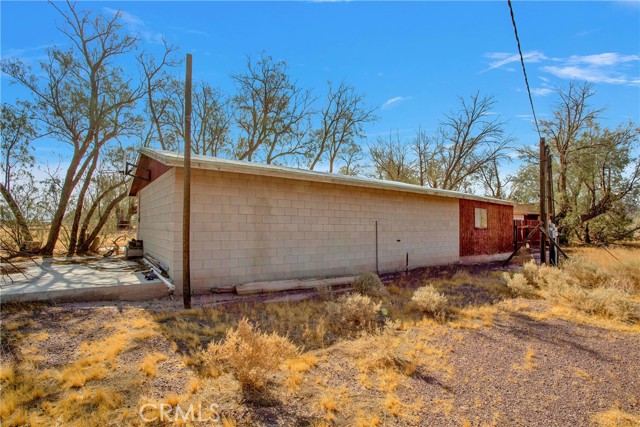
526	211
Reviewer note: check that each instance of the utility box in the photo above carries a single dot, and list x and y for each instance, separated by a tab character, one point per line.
134	249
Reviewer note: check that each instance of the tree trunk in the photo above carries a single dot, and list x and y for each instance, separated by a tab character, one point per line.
65	195
103	219
82	239
587	235
17	213
73	237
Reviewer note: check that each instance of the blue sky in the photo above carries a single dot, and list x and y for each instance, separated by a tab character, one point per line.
412	59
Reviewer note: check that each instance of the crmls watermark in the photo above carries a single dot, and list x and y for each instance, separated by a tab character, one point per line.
163	412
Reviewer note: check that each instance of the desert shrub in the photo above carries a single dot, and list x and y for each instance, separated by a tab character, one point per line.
610	302
580	286
369	284
586	274
530	273
519	286
624	283
251	354
429	300
352	312
628	275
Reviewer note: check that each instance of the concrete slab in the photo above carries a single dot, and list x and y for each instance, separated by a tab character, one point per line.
80	279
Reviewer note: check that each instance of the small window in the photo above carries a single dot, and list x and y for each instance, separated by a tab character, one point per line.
481	218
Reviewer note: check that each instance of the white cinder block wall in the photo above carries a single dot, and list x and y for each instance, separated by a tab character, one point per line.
159	223
249	227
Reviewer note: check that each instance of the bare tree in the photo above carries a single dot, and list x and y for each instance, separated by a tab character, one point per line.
351	157
211	118
494	185
342	121
467	141
159	91
571	116
392	160
428	152
82	96
271	112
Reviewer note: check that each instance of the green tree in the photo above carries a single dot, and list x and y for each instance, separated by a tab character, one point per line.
16	133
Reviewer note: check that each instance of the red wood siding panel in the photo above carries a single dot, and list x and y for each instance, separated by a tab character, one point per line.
147	167
496	238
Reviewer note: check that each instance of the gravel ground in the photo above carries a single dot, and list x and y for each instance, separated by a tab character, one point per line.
571	373
517	372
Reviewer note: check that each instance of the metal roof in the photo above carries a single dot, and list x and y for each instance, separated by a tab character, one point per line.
170	158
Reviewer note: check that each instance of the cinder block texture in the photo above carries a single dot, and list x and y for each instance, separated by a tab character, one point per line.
248	228
159	223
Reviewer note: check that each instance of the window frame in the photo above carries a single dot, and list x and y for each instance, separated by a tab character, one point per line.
480	214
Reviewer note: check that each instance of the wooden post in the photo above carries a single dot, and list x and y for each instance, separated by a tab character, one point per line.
549	190
543	200
186	212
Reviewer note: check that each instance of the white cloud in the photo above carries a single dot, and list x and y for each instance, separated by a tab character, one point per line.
606	67
541	91
136	25
29	55
501	59
393	102
587	32
591	74
125	17
603	59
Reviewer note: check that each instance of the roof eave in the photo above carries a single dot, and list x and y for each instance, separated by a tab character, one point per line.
223	165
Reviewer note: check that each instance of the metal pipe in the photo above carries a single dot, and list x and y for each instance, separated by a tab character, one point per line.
377	269
164	280
406	267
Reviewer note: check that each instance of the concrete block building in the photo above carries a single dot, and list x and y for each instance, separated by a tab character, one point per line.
254	222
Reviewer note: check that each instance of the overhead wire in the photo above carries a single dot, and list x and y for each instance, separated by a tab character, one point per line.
524	70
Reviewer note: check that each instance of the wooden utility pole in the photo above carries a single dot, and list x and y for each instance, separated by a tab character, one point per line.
186	211
543	200
550	210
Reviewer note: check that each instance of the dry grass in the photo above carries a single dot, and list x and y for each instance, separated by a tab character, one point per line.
150	362
601	289
616	418
352	360
250	354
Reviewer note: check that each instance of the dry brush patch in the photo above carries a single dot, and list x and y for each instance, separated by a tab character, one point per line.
85	370
374	359
581	288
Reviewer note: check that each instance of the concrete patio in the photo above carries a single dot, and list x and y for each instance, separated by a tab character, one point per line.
79	279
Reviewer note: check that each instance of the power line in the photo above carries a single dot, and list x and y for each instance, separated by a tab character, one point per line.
524	71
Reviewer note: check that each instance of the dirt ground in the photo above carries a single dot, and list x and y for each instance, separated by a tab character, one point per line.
499	361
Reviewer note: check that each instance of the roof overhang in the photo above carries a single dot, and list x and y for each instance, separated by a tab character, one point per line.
171	159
